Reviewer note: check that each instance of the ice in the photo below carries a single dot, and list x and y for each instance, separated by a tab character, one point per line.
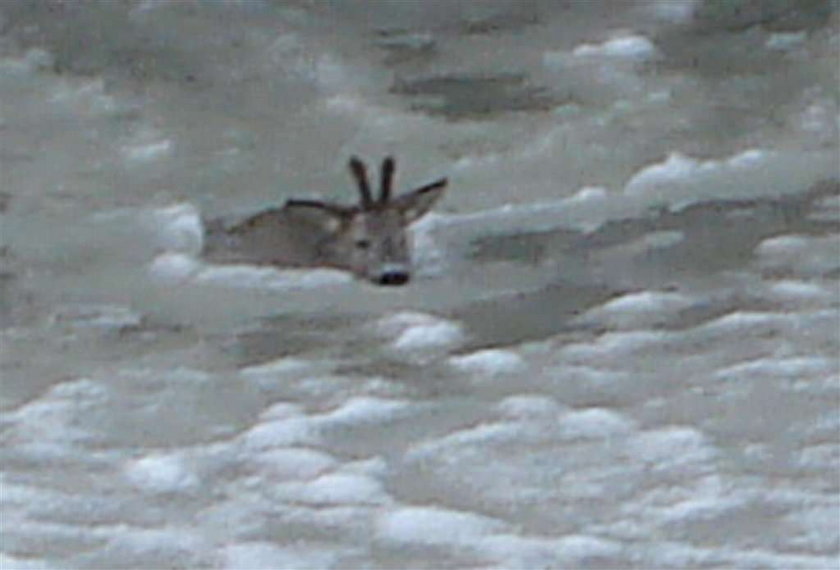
675	168
631	47
33	60
589	194
105	317
147	152
682	450
365	409
614	346
794	368
639	310
162	473
51	421
785	41
174	268
489	363
745	322
798	292
334	489
680	180
804	255
594	423
270	556
583	547
420	333
640	392
294	463
251	276
281	433
169	546
88	97
530	408
24	563
179	228
434	526
674	11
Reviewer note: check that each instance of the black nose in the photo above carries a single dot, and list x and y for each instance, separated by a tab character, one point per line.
394	278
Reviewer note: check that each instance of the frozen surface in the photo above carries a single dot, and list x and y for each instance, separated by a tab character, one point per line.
619	350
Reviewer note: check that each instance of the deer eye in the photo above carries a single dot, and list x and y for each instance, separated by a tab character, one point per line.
363	243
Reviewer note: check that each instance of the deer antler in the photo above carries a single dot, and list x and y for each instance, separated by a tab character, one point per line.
357	168
387	180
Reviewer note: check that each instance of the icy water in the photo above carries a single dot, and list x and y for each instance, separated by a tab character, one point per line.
620	349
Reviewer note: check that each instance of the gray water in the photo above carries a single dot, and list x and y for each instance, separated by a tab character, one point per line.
620	349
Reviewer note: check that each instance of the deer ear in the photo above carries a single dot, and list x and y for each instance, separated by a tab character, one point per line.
322	215
417	203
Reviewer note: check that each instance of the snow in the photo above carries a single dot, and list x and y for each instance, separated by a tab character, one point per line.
805	256
253	277
162	473
365	409
178	228
434	526
489	363
529	407
141	153
420	333
334	489
594	423
639	310
280	433
173	268
794	368
677	448
785	41
291	463
799	292
631	47
94	316
268	556
427	430
678	167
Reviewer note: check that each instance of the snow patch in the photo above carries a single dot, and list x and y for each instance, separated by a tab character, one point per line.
270	556
335	489
94	316
674	448
785	41
434	526
529	407
803	255
673	11
142	153
281	433
179	228
639	310
489	363
594	423
174	268
293	463
631	47
795	368
256	277
365	409
161	473
420	333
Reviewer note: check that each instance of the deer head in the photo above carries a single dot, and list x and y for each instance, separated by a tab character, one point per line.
370	238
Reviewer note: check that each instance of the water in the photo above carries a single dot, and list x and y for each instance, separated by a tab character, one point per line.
620	351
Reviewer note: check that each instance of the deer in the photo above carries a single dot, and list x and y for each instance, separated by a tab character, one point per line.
368	239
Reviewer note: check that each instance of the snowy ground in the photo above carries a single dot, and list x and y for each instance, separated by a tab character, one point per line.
621	350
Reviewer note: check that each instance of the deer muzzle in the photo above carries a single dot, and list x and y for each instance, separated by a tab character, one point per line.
393	274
